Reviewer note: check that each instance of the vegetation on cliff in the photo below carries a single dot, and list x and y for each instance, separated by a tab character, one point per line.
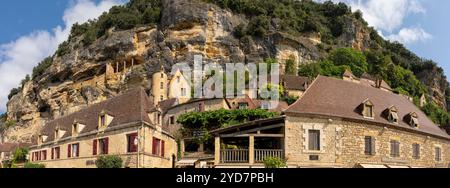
390	61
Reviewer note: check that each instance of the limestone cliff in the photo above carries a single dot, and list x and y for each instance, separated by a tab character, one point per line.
122	59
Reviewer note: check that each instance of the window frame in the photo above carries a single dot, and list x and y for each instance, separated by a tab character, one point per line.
416	151
395	148
317	142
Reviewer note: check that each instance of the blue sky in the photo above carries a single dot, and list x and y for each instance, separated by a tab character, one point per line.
32	30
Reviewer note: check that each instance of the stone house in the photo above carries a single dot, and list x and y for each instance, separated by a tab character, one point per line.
294	86
121	126
339	123
7	152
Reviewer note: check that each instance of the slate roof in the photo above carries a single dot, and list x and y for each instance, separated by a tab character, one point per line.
338	98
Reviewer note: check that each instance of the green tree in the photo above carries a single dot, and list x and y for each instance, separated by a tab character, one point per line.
290	66
350	57
274	162
20	155
110	161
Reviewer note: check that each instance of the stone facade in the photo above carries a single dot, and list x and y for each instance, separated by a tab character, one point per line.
118	143
342	144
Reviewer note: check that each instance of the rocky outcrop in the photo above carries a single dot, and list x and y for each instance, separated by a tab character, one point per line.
125	59
121	60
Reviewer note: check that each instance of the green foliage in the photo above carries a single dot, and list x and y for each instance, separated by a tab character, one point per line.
63	49
274	162
25	80
111	161
221	118
41	67
324	68
14	91
20	155
202	122
290	66
350	57
289	16
33	165
436	114
290	99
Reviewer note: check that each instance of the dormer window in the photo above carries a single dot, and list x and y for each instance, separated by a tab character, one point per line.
56	134
368	111
75	129
413	120
102	120
393	115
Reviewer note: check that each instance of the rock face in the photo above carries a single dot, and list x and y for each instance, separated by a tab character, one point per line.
125	59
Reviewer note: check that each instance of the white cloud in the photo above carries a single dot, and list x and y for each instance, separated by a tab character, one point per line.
18	57
410	35
388	16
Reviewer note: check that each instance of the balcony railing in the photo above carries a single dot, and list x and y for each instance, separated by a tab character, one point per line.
242	155
262	154
234	156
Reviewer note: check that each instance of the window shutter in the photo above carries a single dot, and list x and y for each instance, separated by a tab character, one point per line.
78	150
106	142
163	143
154	146
94	147
53	153
32	156
372	145
45	155
69	150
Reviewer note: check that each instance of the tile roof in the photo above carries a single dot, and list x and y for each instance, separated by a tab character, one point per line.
338	98
10	147
295	82
128	107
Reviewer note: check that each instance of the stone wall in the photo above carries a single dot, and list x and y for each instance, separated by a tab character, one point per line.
342	144
117	146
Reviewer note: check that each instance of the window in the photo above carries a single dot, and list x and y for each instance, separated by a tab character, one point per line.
178	79
243	106
367	111
100	146
414	122
314	140
161	85
162	75
416	151
183	92
158	118
103	120
437	155
158	147
132	143
73	150
42	155
393	116
369	145
172	120
56	151
75	129
395	148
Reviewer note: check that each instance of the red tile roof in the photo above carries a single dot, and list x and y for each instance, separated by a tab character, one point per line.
130	107
10	147
338	98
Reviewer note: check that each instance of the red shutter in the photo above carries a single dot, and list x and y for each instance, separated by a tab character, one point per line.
53	153
154	146
78	150
32	156
106	146
162	147
45	155
94	148
69	150
58	153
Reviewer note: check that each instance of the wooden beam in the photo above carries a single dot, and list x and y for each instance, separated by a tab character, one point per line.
255	135
255	129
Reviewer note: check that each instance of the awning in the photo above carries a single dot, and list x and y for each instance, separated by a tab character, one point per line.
395	166
186	162
372	166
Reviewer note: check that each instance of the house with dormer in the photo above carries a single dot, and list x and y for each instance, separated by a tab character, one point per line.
124	126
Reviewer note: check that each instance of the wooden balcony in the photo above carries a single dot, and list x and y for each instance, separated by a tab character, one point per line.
238	156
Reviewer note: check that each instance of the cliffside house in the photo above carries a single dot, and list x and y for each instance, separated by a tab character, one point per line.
121	126
7	151
339	123
295	86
